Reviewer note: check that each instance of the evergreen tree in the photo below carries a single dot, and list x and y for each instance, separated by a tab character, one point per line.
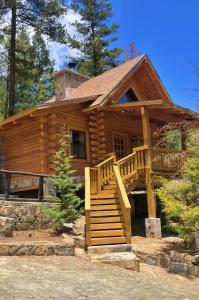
68	207
34	82
94	37
42	15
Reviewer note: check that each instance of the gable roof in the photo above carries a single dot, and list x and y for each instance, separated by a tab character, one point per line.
102	84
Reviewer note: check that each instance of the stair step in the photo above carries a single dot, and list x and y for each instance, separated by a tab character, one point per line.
111	187
107	233
112	182
103	213
105	219
105	207
108	241
104	201
106	226
109	191
103	196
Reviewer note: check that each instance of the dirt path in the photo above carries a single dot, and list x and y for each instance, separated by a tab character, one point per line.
72	278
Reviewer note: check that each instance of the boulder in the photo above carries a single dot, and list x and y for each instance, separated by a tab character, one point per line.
79	226
6	226
68	227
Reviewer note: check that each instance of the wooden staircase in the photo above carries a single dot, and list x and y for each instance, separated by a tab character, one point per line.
107	207
108	211
106	226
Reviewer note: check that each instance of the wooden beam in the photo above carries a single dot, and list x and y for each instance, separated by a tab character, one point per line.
146	127
136	105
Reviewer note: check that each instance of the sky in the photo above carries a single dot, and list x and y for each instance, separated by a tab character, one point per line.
167	31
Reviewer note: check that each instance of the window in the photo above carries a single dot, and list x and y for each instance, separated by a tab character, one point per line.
130	96
78	144
120	144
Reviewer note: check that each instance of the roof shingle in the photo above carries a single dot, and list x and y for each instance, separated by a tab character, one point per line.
105	82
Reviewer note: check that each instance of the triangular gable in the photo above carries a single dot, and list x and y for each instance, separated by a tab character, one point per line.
141	74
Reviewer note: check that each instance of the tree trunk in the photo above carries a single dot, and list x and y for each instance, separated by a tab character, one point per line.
12	63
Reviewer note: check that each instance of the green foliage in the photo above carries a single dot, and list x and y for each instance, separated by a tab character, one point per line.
180	197
94	37
174	139
43	18
68	207
34	82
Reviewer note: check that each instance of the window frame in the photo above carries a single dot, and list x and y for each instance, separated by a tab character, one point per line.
126	90
125	135
74	159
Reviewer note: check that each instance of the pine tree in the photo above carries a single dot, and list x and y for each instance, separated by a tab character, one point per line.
68	207
94	37
42	15
34	82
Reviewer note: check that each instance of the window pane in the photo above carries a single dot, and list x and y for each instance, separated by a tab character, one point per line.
78	144
128	97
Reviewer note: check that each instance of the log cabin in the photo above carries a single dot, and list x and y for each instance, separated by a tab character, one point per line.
111	120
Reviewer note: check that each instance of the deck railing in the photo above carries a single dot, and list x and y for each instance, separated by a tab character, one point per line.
87	203
8	177
167	160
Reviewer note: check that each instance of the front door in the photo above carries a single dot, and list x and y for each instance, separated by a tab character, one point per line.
120	144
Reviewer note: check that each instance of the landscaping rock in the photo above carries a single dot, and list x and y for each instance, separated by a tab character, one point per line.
26	215
6	226
80	242
22	249
67	227
79	226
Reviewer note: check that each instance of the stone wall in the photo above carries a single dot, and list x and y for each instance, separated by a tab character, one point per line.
26	215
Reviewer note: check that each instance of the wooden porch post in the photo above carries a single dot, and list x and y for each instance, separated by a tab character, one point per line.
147	141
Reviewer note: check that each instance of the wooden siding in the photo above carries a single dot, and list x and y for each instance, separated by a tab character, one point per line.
22	146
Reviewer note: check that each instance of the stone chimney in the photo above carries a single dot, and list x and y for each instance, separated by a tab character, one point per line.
66	81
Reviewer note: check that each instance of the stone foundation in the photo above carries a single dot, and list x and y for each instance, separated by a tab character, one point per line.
153	228
26	215
37	249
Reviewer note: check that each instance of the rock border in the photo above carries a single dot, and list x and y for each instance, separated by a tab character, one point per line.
171	263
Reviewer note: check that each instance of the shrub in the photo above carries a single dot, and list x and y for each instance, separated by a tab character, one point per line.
180	197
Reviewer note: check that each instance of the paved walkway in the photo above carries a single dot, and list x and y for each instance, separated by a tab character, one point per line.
24	278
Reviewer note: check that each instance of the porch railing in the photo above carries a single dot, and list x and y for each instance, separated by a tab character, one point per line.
167	160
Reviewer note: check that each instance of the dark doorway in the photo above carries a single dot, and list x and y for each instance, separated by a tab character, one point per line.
138	213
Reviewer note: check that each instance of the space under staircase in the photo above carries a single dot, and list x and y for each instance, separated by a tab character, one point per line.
107	208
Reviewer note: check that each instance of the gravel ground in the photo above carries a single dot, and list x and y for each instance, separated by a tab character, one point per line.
72	278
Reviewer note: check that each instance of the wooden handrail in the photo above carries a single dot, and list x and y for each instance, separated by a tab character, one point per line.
24	173
9	174
87	189
140	148
87	204
119	162
124	203
105	161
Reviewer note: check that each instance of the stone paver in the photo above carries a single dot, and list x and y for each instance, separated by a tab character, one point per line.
73	278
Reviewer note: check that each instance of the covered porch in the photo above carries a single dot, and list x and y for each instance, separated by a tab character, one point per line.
111	180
